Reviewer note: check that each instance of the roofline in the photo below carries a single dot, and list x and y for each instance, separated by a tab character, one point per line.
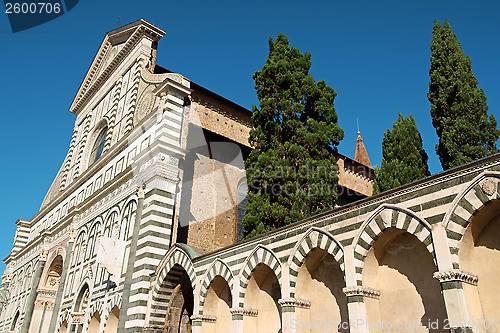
134	24
196	86
354	161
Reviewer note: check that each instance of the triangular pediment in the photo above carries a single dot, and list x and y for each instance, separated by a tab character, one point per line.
116	45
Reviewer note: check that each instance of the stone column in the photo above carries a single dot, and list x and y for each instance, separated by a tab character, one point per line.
130	263
62	282
30	302
358	319
454	298
288	313
451	282
355	303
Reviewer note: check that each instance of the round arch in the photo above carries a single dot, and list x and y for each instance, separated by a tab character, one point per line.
217	268
384	217
260	255
313	238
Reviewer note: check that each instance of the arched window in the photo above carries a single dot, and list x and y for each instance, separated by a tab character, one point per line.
82	300
98	146
13	326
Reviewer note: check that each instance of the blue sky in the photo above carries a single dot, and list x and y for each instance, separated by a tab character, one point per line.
375	54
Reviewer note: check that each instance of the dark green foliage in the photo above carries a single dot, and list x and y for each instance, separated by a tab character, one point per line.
291	171
403	158
458	107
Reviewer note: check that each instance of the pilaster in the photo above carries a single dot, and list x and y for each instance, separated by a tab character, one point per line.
454	298
451	282
288	313
156	171
30	302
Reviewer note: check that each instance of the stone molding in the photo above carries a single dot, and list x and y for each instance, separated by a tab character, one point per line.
294	302
361	291
208	319
456	275
245	312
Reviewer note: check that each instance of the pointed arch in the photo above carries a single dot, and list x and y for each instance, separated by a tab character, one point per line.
169	275
84	285
480	192
313	238
127	218
52	270
64	317
15	321
111	219
387	216
97	306
260	255
218	268
175	256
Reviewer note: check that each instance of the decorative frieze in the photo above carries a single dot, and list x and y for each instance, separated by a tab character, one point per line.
456	275
294	302
244	312
361	291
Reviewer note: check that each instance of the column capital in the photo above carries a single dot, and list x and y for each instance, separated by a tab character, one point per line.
244	312
361	291
456	275
140	192
209	319
43	253
294	302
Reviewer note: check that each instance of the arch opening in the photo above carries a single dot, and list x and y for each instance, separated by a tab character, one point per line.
321	282
112	321
64	327
217	305
181	301
262	294
13	326
95	323
401	268
479	249
81	305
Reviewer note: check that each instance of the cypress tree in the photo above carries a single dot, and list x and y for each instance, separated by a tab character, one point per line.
292	171
403	157
458	107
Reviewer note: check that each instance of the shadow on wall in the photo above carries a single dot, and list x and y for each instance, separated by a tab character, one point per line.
320	281
401	268
479	249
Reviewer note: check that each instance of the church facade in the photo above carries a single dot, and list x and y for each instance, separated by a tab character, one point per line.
141	229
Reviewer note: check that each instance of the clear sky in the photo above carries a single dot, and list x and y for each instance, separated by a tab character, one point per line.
375	54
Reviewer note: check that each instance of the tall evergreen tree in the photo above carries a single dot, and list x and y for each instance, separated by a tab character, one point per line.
458	107
403	157
292	171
